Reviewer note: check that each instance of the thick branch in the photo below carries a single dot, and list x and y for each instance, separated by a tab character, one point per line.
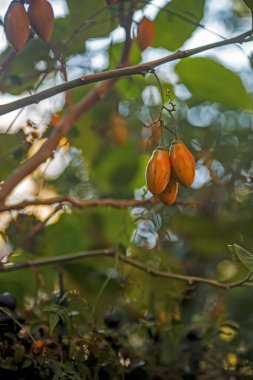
132	262
117	73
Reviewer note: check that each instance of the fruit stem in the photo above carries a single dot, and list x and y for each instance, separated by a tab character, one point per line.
160	87
162	108
162	132
170	111
174	126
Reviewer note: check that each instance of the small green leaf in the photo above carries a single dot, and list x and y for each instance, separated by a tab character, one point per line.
9	364
27	363
19	352
235	258
245	257
53	321
232	249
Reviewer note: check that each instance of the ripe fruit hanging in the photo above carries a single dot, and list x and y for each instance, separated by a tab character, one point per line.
145	33
158	171
41	17
118	131
169	194
182	163
16	25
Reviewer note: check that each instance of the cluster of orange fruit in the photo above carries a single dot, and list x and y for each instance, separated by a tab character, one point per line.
168	168
17	21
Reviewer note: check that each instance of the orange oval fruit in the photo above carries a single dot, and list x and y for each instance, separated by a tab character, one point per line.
16	25
41	17
118	130
145	33
182	163
158	171
169	194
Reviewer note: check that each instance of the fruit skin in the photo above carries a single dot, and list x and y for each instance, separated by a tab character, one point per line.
182	163
145	33
41	17
169	194
158	171
118	130
16	25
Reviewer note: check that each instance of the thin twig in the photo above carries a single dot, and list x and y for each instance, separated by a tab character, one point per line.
243	281
117	73
5	311
87	203
96	94
108	252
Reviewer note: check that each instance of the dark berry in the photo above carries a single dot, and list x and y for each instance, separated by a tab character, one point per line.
113	320
194	334
8	300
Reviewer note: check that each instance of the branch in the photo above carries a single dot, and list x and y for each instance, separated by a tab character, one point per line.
72	115
84	203
107	202
131	262
117	73
75	111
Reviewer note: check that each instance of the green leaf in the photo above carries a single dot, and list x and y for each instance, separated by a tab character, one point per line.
19	352
116	173
27	363
12	149
19	231
53	321
115	52
209	80
81	23
234	255
245	257
9	363
176	22
23	74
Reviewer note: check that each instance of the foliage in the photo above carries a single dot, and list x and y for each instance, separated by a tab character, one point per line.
100	317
